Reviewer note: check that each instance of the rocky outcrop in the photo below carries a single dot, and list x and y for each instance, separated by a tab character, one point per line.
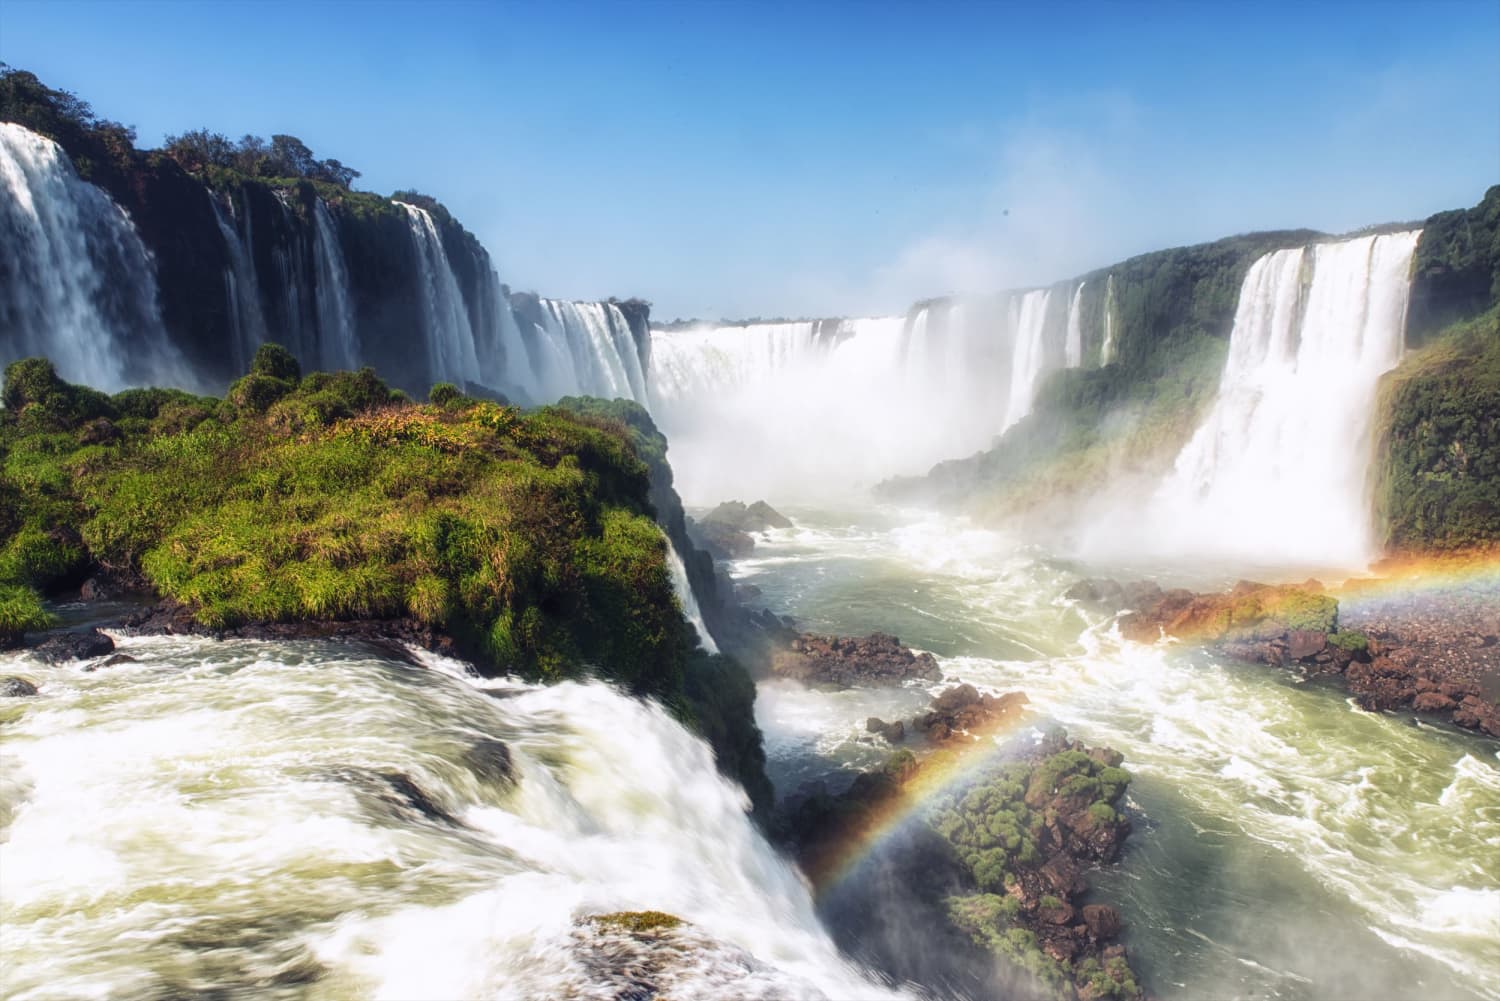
61	647
726	531
1423	656
846	661
996	864
12	687
964	713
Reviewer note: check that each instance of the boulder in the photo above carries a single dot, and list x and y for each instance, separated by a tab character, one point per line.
845	661
491	762
1305	643
112	660
61	647
1103	920
12	687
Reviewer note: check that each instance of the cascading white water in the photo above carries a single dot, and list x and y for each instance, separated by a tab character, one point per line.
1030	355
450	339
1073	348
505	362
684	590
337	346
316	820
786	410
291	272
78	284
1280	467
1107	349
592	351
247	321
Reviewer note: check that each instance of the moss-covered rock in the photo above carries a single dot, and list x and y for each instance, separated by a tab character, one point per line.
527	538
1438	457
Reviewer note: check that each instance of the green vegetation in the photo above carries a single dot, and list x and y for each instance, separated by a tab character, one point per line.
994	825
986	919
528	537
1438	465
637	922
1456	270
1350	641
1111	979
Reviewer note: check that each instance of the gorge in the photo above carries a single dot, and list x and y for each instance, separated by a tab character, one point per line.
444	699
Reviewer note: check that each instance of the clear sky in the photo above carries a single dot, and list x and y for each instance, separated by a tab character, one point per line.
820	158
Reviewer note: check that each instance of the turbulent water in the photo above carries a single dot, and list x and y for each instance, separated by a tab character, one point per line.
77	284
1286	844
1314	330
325	821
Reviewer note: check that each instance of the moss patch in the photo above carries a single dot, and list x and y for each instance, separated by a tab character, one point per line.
637	922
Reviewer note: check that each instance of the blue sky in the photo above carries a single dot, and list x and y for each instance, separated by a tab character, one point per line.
813	159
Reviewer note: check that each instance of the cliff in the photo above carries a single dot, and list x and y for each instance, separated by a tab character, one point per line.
241	257
330	504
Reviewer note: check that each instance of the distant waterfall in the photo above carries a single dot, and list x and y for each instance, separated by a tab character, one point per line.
78	284
1281	464
450	339
1029	357
811	409
582	348
1107	349
337	347
1073	348
247	322
684	591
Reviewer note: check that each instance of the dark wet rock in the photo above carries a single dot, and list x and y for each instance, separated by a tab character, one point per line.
490	760
1305	643
1103	921
12	687
111	661
847	661
61	647
723	542
395	792
726	531
893	732
757	517
963	712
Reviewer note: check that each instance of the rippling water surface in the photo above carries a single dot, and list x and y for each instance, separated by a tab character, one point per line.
1287	843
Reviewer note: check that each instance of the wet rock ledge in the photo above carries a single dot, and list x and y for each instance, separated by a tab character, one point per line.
1405	667
846	661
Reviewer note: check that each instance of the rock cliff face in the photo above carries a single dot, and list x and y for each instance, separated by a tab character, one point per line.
341	278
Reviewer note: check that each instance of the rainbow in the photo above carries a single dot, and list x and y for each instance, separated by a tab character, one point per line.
1406	575
944	769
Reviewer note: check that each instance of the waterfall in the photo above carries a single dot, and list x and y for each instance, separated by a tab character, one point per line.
1030	355
215	812
792	410
1280	466
585	347
450	340
1107	349
1073	348
247	322
684	590
78	284
292	274
337	347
